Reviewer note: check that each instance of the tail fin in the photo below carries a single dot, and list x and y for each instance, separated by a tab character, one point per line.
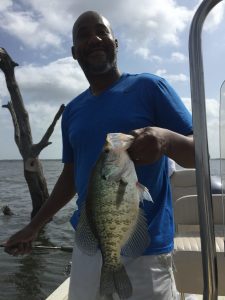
115	281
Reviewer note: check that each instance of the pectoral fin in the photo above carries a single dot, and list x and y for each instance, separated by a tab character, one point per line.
120	192
144	192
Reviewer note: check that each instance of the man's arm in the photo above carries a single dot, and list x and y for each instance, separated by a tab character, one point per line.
181	149
152	142
63	192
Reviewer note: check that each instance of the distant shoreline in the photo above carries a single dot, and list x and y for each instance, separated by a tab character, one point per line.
56	159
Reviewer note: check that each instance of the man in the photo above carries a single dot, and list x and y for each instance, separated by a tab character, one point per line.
144	105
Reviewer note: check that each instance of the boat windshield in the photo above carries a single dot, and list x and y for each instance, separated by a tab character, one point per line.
222	140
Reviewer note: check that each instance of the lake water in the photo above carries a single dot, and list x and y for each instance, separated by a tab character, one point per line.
35	276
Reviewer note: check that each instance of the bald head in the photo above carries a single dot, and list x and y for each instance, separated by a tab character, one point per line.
94	45
85	17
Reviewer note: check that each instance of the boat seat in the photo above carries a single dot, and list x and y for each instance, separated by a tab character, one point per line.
188	264
187	255
183	182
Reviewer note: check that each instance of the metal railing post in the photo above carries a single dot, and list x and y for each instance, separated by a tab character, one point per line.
207	233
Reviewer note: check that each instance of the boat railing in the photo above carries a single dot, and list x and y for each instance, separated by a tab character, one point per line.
205	207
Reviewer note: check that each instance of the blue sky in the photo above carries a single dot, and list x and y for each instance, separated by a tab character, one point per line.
153	37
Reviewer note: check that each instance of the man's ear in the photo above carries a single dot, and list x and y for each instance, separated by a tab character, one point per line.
73	50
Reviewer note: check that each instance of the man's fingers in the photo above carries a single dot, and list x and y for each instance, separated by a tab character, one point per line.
11	250
16	245
17	239
137	132
19	249
27	247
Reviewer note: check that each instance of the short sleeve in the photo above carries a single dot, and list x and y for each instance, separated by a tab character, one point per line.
171	113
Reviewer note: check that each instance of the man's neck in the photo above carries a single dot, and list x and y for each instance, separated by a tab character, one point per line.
99	83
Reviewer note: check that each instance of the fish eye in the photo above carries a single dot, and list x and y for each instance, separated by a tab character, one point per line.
106	150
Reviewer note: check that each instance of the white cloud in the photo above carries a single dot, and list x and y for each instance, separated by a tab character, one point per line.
143	52
57	16
212	109
215	17
41	23
162	23
28	29
56	82
157	58
187	102
212	115
172	77
41	116
4	4
177	77
178	57
3	88
43	90
145	29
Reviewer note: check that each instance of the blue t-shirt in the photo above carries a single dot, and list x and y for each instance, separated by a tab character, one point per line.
132	102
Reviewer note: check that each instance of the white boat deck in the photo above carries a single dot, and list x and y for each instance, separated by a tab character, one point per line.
200	297
61	293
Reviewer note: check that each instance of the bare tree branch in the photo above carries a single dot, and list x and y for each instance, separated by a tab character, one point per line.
33	171
15	123
37	148
7	65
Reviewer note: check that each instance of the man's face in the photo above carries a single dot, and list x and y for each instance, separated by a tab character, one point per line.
94	45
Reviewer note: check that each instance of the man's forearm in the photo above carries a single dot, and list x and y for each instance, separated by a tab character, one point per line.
62	193
181	149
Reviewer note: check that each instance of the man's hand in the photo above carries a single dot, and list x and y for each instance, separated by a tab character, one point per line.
149	145
21	242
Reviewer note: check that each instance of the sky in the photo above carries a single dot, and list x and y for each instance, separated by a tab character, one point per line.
152	36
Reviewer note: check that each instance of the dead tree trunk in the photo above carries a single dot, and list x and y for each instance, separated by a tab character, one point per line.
23	136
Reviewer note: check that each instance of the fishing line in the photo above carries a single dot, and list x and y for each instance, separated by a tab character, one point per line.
42	247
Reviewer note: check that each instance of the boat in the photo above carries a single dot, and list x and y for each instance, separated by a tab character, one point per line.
187	255
189	277
61	293
198	202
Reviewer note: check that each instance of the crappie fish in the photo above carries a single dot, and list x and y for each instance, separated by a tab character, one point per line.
111	219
